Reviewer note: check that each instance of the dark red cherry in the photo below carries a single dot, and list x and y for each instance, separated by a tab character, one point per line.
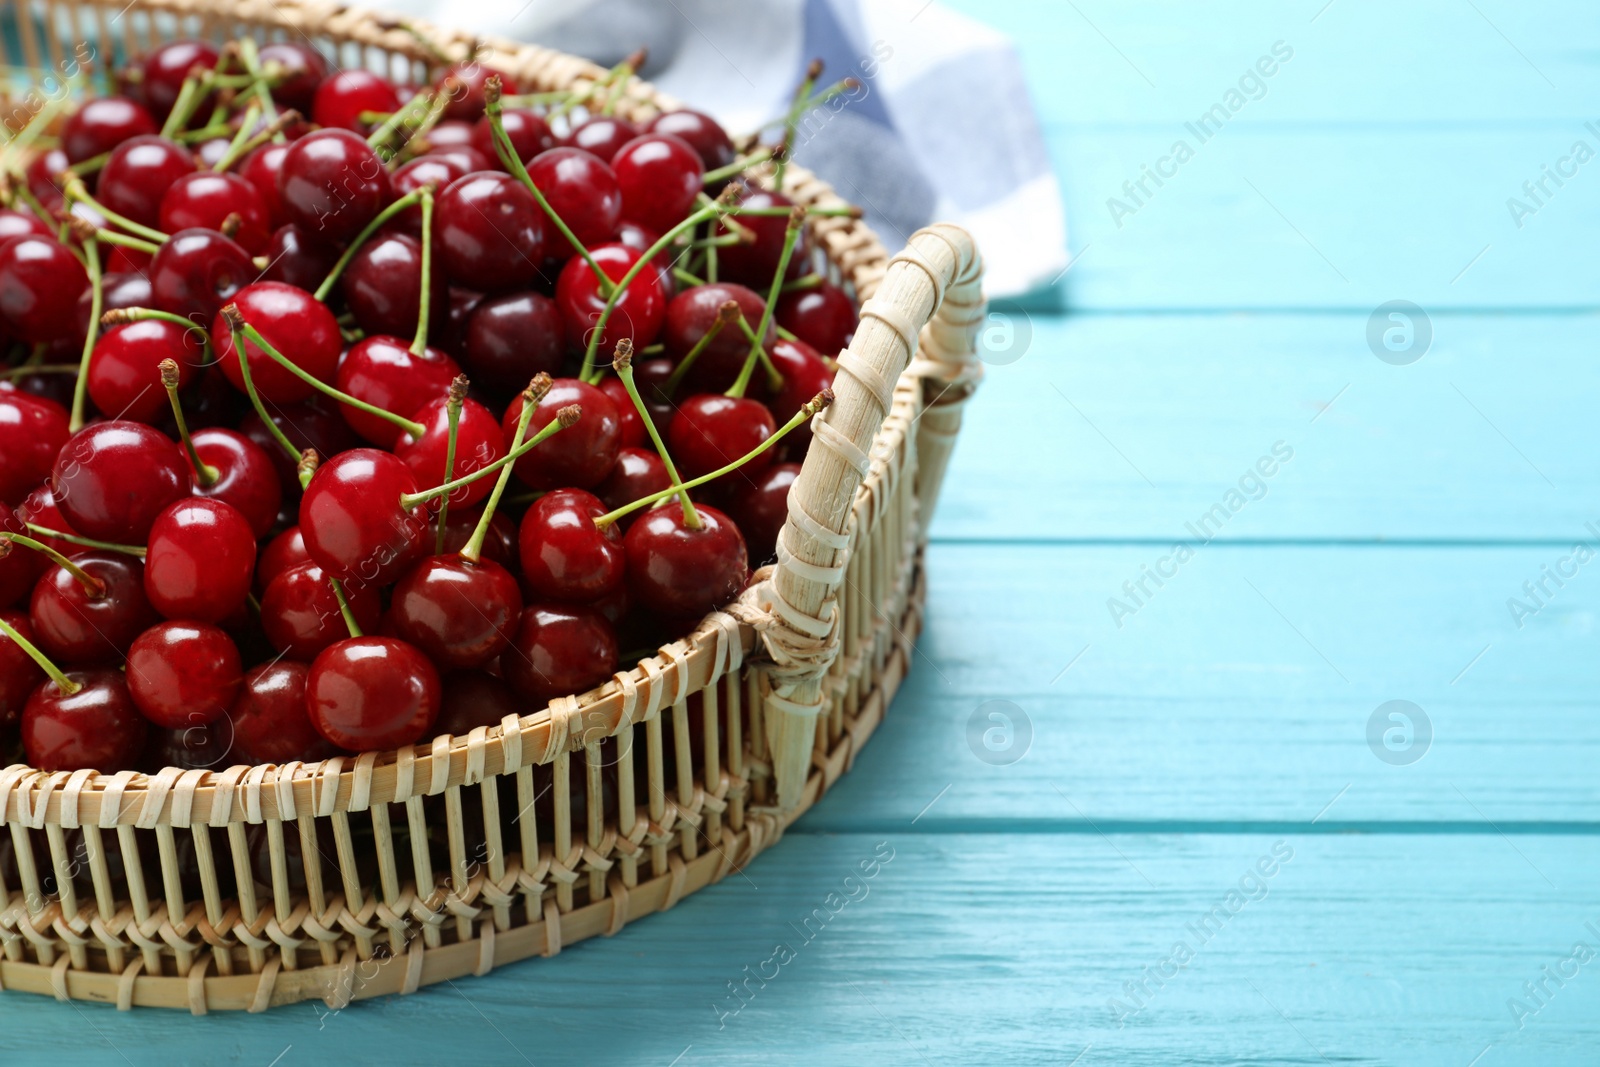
92	628
490	235
197	271
651	377
127	261
760	506
112	479
382	371
246	478
39	508
39	285
527	130
138	174
473	699
582	454
300	70
207	154
711	431
467	98
601	136
201	558
660	177
462	614
166	67
353	521
103	123
462	157
205	200
124	371
478	444
21	224
693	312
96	728
581	189
261	168
183	674
192	748
639	311
332	184
511	338
270	723
19	568
367	693
32	431
342	97
297	260
682	572
383	286
755	264
559	649
805	374
701	132
564	555
433	169
123	289
286	550
500	545
824	317
300	613
306	426
295	323
19	674
633	428
639	473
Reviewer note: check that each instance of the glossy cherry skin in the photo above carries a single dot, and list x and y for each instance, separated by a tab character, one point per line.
660	177
183	674
286	550
467	99
122	289
205	200
301	70
633	428
261	169
581	189
463	157
270	723
19	675
680	572
580	455
294	322
77	628
201	558
353	522
638	314
138	174
558	650
297	260
40	509
103	123
601	136
527	130
478	444
701	132
372	693
437	170
511	338
246	478
301	615
639	473
755	264
382	371
111	479
32	431
341	98
166	67
462	614
711	431
19	567
197	271
124	371
382	286
21	224
824	317
564	555
308	425
805	374
97	728
473	699
39	285
331	184
760	507
691	315
499	545
490	235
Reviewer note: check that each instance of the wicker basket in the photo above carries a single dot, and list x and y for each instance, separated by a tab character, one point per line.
389	871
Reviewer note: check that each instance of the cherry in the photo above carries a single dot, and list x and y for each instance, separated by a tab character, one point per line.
368	693
701	132
805	374
559	649
124	371
138	174
693	313
383	372
301	70
467	97
43	178
126	260
639	473
660	177
103	123
111	479
461	613
602	135
286	550
245	477
581	189
454	133
201	558
653	377
91	626
681	571
435	169
39	285
21	224
638	313
126	289
32	431
295	259
301	615
261	169
94	726
760	507
823	316
18	569
183	674
711	431
341	98
511	338
40	509
332	184
490	235
197	271
192	748
166	67
292	321
473	699
527	130
354	522
757	262
478	444
383	286
500	541
270	723
306	426
19	674
564	555
581	455
205	200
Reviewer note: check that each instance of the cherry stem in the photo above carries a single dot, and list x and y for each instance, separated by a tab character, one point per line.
74	539
472	551
251	58
252	115
567	416
809	281
737	167
38	368
413	197
123	316
115	238
80	391
817	403
65	684
206	475
791	121
728	312
687	278
344	608
92	585
189	97
791	237
623	365
774	376
419	344
244	144
415	112
236	327
847	211
73	189
458	397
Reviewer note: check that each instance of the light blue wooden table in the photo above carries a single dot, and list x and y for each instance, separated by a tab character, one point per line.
1200	857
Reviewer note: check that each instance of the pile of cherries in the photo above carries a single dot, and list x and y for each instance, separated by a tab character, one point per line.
338	414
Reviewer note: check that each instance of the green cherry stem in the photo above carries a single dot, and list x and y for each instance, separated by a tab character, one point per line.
74	539
80	390
65	684
791	121
73	189
791	236
114	238
413	197
246	143
205	475
236	326
344	608
419	344
727	314
472	551
93	586
123	316
565	417
38	368
623	365
774	376
737	167
458	397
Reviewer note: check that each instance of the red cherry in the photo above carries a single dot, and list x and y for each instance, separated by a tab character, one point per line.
559	649
467	100
805	374
306	426
300	613
511	338
101	124
166	67
760	507
711	431
96	728
824	317
286	550
270	723
39	285
453	133
261	168
462	157
660	177
197	271
432	169
301	70
639	473
294	322
383	372
756	263
183	674
683	572
21	224
565	556
369	693
581	189
527	130
639	311
478	444
246	478
601	136
383	286
332	184
124	371
490	235
633	430
123	289
91	628
40	509
297	260
701	132
501	543
473	699
201	558
353	521
138	174
32	431
19	568
341	98
19	674
691	316
112	479
205	199
580	455
462	614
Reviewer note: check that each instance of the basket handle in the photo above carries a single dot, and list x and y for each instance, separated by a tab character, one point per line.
932	288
